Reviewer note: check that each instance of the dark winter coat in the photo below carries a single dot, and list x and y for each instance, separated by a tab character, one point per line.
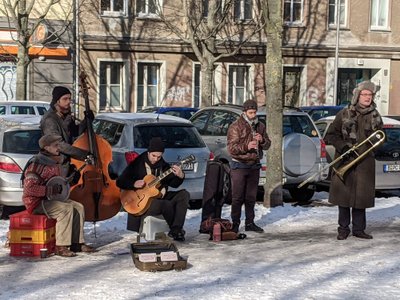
358	188
240	134
52	123
136	170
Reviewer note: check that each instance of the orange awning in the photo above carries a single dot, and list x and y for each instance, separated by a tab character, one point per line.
35	51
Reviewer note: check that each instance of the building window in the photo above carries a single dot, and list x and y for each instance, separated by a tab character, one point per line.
243	9
379	14
148	82
332	12
148	8
113	7
293	11
111	85
238	84
291	86
197	85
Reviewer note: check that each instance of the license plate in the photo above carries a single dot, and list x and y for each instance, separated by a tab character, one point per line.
262	181
188	166
391	168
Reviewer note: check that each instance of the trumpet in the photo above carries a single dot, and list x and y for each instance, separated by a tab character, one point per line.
373	141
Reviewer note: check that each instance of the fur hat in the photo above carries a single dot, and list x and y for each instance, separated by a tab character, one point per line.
58	92
250	104
48	139
365	85
156	145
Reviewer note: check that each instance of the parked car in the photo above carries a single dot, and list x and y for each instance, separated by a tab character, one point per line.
303	148
130	133
23	107
182	112
17	144
387	156
318	112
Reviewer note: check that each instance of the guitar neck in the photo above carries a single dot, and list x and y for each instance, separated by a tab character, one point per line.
169	171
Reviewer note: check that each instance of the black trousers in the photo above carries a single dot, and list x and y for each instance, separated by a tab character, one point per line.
358	219
244	191
172	207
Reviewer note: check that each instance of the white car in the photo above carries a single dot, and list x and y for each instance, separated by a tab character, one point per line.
387	156
23	107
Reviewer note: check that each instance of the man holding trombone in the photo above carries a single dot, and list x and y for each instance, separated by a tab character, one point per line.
354	133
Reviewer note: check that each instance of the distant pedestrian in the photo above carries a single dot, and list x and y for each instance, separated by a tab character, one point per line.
247	138
351	126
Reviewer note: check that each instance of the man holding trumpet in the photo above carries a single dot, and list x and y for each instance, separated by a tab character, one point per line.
355	191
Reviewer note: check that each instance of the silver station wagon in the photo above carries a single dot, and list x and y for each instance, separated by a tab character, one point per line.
130	133
387	156
17	144
23	107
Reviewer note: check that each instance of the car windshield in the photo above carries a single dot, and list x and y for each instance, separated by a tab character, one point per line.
22	110
295	124
174	136
22	141
110	131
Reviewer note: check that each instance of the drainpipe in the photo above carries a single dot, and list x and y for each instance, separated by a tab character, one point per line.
336	66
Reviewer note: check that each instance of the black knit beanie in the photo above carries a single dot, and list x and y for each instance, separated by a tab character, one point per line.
156	145
58	92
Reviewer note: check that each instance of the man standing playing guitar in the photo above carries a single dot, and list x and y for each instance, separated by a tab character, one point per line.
172	205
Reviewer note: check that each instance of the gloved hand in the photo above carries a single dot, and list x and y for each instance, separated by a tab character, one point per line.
349	155
89	114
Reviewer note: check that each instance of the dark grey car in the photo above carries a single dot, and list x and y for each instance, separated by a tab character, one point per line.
130	133
303	148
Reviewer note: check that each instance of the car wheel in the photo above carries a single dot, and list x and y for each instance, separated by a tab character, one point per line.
226	185
301	195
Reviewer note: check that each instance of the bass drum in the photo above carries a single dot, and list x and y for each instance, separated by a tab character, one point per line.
299	155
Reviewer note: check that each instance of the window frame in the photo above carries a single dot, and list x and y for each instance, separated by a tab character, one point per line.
124	85
293	22
158	4
342	4
374	27
160	83
248	85
241	16
113	13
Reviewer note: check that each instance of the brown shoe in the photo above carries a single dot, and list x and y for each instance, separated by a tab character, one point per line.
87	249
64	251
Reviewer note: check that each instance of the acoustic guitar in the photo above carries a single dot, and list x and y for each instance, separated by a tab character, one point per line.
137	202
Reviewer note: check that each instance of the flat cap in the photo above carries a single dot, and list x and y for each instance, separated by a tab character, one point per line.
48	139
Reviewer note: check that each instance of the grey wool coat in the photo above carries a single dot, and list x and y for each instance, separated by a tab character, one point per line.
358	188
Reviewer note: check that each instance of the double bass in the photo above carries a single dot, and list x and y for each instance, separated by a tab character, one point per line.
95	189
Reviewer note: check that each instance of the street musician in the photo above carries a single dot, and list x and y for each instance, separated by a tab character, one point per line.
356	190
172	205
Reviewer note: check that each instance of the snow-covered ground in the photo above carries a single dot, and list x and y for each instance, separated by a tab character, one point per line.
298	257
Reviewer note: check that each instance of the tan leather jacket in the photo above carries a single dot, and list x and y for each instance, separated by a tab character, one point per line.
240	135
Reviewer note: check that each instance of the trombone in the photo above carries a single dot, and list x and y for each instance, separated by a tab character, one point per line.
374	140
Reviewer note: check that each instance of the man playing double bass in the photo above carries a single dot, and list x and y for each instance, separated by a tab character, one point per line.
171	204
59	121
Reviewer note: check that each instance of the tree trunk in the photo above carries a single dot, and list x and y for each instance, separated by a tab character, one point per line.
274	106
207	84
22	70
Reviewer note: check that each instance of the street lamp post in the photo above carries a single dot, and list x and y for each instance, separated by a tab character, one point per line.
336	66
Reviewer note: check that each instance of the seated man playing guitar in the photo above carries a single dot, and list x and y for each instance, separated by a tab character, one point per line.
172	205
38	197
